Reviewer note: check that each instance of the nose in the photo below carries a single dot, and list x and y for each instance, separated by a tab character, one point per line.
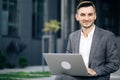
86	17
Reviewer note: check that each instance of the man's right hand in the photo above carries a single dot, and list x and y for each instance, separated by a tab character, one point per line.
91	72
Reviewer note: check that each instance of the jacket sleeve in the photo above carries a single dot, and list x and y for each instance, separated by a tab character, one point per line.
69	49
112	57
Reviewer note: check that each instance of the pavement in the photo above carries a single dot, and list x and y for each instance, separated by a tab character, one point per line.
114	76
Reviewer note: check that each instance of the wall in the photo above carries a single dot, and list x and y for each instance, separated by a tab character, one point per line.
25	26
0	21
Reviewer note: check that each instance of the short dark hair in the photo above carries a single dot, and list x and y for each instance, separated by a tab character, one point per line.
85	4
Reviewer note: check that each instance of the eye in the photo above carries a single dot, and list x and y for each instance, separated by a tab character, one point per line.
90	14
82	14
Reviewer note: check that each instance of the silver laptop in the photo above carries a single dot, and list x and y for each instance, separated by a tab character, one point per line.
62	63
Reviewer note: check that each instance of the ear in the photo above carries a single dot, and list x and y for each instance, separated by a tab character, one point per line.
76	16
95	16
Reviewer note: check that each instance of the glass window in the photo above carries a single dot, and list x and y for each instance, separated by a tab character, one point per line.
37	18
12	30
5	5
14	1
9	17
12	14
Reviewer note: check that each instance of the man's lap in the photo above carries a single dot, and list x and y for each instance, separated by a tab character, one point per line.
67	77
64	77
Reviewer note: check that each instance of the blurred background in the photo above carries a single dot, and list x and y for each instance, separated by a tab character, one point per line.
22	38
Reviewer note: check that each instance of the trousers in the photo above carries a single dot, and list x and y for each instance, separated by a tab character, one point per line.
67	77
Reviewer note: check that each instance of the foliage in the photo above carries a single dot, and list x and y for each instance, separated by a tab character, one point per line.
51	26
22	62
10	65
13	51
2	60
22	47
13	48
21	75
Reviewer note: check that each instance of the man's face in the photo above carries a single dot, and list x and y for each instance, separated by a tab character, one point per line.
86	16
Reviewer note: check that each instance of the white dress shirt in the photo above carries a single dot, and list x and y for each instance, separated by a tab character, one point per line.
85	46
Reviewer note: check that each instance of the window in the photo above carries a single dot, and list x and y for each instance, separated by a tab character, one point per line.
9	17
37	18
109	15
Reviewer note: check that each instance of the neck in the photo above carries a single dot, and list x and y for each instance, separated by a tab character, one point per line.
86	31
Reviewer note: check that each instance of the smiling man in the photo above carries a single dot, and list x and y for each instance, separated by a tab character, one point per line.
97	46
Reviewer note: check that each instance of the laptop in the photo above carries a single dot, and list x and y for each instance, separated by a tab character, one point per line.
69	64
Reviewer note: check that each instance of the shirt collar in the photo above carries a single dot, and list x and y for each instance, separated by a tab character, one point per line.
90	33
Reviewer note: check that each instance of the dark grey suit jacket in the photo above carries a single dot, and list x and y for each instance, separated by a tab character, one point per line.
104	56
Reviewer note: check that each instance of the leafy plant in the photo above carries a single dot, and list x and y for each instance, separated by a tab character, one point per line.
51	26
13	48
22	62
2	60
13	52
2	64
10	65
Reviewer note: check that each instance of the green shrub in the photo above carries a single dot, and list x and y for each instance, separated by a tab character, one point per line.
2	60
22	62
51	26
10	65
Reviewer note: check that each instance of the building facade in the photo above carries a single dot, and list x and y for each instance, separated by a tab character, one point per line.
22	21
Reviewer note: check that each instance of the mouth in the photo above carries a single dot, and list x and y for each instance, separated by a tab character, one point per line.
87	23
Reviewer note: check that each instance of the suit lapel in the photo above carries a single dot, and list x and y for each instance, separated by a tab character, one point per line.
95	42
77	41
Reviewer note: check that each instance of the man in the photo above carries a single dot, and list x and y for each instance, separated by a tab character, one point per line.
97	46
